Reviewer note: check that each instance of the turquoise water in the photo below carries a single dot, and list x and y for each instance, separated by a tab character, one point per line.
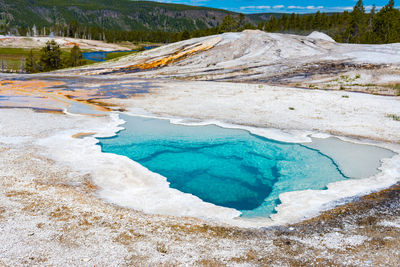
100	56
228	167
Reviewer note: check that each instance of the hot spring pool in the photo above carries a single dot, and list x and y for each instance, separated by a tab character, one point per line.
227	167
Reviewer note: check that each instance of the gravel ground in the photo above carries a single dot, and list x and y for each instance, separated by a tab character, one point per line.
52	215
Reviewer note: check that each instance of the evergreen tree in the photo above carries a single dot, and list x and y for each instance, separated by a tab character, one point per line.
387	24
317	22
50	58
242	20
371	17
370	36
75	57
357	25
30	64
185	35
229	24
273	25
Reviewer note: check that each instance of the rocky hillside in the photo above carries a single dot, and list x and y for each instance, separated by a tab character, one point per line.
110	14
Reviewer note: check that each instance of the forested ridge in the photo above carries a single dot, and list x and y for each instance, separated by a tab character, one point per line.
121	15
356	26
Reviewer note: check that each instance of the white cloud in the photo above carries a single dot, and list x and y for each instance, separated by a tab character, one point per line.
254	7
315	7
305	7
269	8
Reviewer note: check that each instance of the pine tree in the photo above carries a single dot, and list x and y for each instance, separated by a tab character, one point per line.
357	24
75	57
50	58
242	20
387	24
185	35
229	24
30	64
317	23
370	36
22	65
272	25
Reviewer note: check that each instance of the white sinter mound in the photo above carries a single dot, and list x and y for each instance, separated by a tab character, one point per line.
251	55
320	35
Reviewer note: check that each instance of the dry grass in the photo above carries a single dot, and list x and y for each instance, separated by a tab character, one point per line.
18	194
2	211
210	263
393	116
213	231
128	237
361	206
162	248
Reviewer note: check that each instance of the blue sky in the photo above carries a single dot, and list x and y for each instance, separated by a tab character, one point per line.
296	6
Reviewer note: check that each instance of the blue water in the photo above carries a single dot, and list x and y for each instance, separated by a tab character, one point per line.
228	167
100	56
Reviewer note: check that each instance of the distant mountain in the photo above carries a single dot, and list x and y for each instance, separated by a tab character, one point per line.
261	17
113	14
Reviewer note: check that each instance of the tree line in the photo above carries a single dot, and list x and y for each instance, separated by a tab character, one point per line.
356	26
53	58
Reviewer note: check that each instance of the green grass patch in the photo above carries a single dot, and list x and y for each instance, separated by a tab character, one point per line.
13	58
395	86
118	54
348	79
18	52
393	116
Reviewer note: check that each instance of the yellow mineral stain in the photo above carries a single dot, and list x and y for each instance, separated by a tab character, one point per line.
31	85
51	111
82	135
42	89
180	55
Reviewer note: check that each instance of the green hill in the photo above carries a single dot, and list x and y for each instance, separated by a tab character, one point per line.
110	14
262	17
